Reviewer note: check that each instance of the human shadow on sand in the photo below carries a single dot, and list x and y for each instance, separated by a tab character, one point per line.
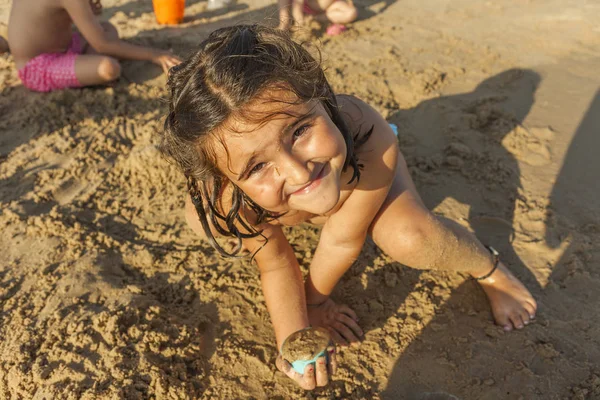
460	353
458	139
575	195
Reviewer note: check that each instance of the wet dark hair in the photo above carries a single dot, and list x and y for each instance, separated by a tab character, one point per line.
232	67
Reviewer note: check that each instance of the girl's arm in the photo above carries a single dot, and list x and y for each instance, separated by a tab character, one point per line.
281	280
280	274
283	289
83	17
284	293
344	233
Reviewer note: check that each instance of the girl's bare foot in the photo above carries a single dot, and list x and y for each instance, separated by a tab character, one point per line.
3	45
512	304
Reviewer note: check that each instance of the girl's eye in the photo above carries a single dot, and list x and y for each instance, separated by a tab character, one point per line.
300	131
256	168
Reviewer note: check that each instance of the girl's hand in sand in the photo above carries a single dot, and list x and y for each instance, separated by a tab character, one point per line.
315	375
340	320
166	60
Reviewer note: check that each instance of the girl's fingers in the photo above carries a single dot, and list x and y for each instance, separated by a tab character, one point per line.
345	332
350	323
308	381
322	375
291	373
332	364
348	311
337	338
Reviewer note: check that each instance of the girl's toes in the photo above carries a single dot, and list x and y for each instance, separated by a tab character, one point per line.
505	323
517	321
531	309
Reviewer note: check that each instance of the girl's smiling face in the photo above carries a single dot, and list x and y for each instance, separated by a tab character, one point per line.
291	161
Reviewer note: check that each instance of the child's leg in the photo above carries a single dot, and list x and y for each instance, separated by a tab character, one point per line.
336	11
413	236
341	12
92	68
96	69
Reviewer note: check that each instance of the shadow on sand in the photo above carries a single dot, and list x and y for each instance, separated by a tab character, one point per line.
480	361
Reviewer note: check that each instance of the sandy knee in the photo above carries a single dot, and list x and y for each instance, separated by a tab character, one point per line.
351	14
414	241
412	246
342	14
109	69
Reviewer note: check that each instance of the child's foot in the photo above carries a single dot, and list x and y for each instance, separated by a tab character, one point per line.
218	4
3	45
335	29
512	304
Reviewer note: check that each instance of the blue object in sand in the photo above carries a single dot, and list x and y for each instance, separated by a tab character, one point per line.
394	128
300	365
293	347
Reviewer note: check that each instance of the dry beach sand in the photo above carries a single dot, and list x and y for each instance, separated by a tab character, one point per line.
106	294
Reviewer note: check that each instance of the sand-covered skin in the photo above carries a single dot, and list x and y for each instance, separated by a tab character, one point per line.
106	294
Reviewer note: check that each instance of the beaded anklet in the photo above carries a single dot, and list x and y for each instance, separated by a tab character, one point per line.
496	262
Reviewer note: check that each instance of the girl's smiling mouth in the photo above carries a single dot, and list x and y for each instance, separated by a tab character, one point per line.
313	184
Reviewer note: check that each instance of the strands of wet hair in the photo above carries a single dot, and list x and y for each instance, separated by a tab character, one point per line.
232	67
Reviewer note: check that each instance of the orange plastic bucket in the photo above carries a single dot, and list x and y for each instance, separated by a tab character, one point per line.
169	11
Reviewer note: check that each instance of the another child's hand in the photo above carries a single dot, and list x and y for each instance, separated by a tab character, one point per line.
340	320
311	379
96	6
166	60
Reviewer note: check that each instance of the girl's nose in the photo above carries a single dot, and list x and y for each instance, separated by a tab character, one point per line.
293	170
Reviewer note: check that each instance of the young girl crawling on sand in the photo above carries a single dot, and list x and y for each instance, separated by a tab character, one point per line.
264	143
49	55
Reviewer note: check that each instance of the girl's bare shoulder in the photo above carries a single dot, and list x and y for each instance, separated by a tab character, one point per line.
358	113
362	119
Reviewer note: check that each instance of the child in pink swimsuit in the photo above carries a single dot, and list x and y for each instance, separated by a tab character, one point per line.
338	12
52	71
49	55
